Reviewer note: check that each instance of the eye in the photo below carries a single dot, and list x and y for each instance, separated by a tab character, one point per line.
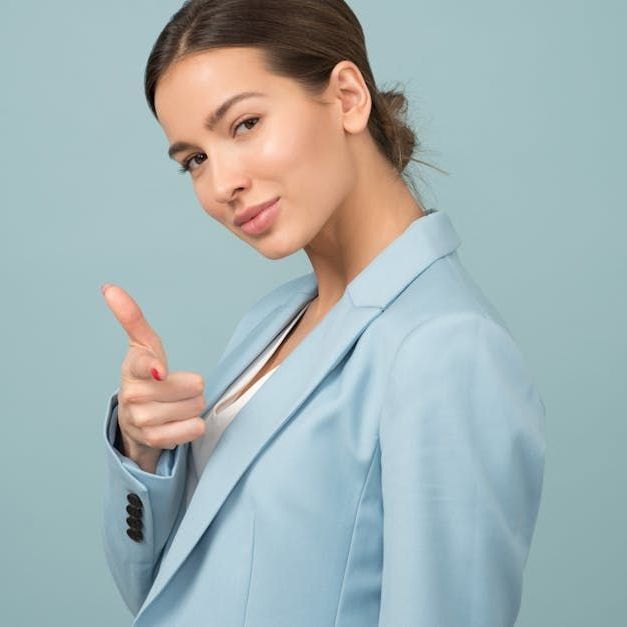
187	163
255	119
186	167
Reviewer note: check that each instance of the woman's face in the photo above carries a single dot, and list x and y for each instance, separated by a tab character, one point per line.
279	144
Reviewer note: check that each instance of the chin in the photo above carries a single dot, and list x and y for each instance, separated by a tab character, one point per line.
276	253
274	247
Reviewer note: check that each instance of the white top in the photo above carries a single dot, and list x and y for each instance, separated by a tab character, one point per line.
225	409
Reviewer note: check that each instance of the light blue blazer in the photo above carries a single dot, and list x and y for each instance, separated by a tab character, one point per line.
388	474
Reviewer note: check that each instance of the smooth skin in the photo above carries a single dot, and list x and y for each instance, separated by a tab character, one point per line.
341	202
152	415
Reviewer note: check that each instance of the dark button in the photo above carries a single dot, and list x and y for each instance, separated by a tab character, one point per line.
135	534
135	523
134	500
135	511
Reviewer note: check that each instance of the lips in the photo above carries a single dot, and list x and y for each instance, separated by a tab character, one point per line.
251	212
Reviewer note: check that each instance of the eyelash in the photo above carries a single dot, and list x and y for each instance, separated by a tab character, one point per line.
185	167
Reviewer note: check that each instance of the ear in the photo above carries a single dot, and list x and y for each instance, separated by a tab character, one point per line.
349	87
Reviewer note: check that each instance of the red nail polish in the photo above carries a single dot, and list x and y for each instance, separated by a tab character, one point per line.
155	374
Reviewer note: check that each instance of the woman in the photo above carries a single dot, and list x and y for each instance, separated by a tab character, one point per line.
369	449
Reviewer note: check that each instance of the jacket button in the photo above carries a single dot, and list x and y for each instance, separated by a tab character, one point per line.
135	523
135	534
137	512
134	500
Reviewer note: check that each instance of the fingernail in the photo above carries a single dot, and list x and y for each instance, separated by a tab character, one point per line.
104	286
155	374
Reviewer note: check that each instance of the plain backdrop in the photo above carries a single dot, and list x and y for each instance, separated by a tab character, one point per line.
522	103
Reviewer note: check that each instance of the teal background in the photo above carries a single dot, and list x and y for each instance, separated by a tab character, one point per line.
523	103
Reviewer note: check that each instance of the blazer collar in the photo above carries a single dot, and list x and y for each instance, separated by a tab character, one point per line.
273	405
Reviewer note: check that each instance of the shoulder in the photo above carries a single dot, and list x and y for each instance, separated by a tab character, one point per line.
460	380
444	326
458	344
444	295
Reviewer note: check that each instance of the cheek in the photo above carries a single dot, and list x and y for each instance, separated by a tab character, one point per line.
282	143
308	157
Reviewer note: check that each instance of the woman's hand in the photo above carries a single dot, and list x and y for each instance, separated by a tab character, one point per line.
156	410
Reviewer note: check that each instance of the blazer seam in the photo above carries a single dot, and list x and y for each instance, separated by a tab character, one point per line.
350	546
250	574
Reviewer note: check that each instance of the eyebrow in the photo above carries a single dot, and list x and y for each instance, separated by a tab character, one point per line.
212	120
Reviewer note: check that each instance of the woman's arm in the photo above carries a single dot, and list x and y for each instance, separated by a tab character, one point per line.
462	462
133	560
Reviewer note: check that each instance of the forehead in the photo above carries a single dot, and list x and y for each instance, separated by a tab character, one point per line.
199	82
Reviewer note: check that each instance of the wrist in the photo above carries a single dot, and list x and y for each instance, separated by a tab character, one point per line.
144	456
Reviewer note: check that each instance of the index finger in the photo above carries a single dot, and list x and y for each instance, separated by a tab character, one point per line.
131	317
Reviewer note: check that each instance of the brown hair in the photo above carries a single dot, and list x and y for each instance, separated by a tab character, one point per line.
300	39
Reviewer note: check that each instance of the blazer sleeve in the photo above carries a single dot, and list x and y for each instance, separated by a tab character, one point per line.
462	464
133	563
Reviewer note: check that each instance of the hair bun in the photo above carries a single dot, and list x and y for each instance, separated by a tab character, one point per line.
401	138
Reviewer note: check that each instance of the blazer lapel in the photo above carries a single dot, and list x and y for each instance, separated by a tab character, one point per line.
250	347
275	403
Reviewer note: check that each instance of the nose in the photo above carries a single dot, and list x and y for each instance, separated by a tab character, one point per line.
226	175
